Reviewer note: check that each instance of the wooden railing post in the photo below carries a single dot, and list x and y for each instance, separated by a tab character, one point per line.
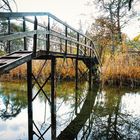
78	44
90	48
48	35
76	65
35	37
24	29
66	42
9	31
85	46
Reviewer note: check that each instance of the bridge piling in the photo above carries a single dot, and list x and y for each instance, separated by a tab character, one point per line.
90	76
76	74
53	98
29	89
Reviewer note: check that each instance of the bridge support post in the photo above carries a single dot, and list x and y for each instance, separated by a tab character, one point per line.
29	92
76	74
52	101
90	76
53	98
76	102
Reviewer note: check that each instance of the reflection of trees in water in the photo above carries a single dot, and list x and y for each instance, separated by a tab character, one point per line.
72	99
110	122
106	121
14	99
65	92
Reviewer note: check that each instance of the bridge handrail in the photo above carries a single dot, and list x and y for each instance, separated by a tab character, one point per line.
24	15
14	15
31	33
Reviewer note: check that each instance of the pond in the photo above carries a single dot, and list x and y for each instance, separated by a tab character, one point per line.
100	114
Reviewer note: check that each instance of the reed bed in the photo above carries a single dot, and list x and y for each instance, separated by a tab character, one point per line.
121	69
65	69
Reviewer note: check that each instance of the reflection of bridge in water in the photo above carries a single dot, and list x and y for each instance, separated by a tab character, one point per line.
42	36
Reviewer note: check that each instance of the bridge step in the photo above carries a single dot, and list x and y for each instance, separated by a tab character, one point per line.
13	60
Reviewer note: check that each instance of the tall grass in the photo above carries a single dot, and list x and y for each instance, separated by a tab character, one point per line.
118	69
121	69
65	69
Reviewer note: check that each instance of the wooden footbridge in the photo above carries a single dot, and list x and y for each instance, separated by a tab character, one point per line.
30	36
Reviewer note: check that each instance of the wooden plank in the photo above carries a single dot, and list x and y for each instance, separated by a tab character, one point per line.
3	60
11	61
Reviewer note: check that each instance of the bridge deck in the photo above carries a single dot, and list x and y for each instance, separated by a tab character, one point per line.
42	54
13	60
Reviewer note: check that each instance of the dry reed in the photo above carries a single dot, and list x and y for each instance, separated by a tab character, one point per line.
121	69
65	68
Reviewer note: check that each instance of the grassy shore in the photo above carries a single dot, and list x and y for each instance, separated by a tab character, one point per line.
121	69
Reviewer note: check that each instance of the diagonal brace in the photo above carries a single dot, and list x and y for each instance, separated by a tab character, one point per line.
41	88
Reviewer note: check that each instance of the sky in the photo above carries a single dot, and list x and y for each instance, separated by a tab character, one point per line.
70	11
74	11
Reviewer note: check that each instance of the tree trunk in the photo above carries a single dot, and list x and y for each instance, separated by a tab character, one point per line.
112	28
118	22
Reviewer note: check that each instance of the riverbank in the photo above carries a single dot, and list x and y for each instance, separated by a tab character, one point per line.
121	69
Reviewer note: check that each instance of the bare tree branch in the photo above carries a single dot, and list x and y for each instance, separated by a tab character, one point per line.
6	5
6	2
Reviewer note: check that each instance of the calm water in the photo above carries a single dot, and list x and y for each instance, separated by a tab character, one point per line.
101	114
